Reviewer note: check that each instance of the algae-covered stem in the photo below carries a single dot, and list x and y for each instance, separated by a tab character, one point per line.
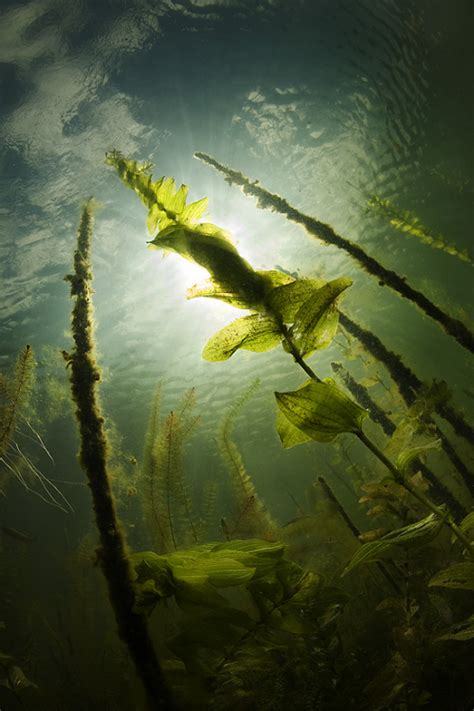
326	234
112	554
446	516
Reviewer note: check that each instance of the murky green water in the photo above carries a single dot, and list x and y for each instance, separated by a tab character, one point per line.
359	115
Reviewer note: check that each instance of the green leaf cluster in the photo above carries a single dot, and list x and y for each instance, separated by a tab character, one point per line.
195	574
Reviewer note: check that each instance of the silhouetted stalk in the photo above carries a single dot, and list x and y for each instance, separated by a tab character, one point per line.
409	387
339	507
353	528
444	513
112	554
327	235
408	384
364	399
378	415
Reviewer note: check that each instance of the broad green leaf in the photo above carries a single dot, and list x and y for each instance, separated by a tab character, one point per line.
288	433
460	632
204	243
416	534
255	546
218	571
274	278
209	289
406	458
321	410
459	575
316	321
287	299
253	333
212	249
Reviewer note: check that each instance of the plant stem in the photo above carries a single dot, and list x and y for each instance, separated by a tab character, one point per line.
443	512
418	494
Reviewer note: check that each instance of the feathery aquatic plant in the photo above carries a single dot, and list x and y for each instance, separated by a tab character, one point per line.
251	517
166	499
15	401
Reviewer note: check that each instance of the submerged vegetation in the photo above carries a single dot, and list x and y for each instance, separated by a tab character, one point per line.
260	655
407	222
326	234
219	602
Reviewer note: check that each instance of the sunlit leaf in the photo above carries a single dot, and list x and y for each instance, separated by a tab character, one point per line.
194	211
321	410
209	289
253	333
416	534
289	434
288	298
316	321
459	575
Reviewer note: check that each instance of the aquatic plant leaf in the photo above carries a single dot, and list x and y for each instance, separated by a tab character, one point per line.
459	575
253	546
460	632
219	571
274	278
406	458
253	333
415	534
321	410
288	298
209	289
150	566
316	320
194	211
288	433
174	226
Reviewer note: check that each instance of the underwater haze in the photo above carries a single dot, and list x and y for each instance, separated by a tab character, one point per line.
236	350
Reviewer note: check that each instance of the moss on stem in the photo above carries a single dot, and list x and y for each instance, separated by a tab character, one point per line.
112	553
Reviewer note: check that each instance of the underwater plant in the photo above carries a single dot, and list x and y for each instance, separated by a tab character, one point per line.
220	643
407	222
251	517
378	415
326	234
15	425
169	518
299	314
112	553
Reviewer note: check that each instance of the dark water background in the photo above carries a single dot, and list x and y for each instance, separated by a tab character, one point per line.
325	103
